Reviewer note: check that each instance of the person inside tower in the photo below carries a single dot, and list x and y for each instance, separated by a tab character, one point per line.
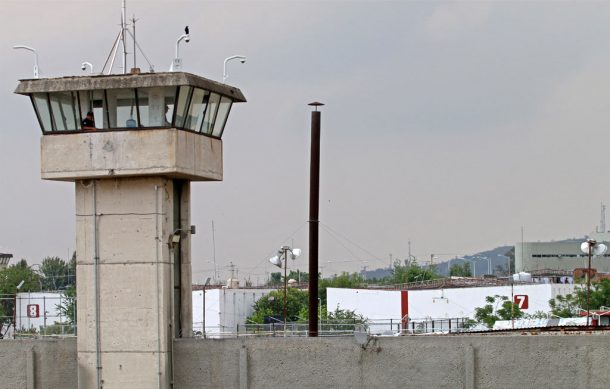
88	123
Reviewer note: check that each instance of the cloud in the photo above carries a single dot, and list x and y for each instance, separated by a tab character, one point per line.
450	19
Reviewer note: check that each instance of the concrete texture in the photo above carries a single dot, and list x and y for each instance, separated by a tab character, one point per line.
118	81
137	282
107	154
475	361
457	361
38	364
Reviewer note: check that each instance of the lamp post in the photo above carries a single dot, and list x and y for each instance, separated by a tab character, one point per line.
207	282
35	57
177	62
277	261
225	75
488	262
591	247
15	309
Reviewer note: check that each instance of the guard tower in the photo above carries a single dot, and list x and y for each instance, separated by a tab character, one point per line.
4	259
152	135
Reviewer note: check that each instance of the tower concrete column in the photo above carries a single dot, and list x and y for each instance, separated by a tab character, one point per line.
125	272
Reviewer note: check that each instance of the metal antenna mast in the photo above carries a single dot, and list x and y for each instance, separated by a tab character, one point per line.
121	40
602	220
123	28
214	252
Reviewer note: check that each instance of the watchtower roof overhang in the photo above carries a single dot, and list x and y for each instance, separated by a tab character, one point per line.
119	81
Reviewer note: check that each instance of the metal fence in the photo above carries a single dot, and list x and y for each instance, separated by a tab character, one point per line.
33	315
388	327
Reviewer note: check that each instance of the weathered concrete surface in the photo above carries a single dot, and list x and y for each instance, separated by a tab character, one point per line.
155	152
126	223
542	361
37	364
118	81
477	361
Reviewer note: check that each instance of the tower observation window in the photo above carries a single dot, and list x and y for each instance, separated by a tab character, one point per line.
183	107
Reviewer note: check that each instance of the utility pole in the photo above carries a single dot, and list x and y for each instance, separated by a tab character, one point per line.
314	222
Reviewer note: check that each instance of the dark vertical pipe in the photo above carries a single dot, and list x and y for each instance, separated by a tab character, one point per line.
314	207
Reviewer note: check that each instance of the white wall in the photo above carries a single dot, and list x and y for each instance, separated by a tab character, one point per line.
438	303
372	304
461	302
47	308
224	308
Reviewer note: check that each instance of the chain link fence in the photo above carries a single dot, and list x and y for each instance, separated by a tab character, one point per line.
29	315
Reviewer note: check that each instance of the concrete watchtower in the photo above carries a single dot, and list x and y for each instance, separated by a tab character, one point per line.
132	163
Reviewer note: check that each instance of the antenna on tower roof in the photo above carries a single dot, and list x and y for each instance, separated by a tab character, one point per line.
121	40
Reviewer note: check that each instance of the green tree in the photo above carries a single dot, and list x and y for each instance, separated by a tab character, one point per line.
10	278
275	279
343	280
67	308
298	275
572	304
56	273
273	305
497	308
411	272
463	270
565	306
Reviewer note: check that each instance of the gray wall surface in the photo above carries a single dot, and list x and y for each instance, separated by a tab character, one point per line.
38	364
457	361
475	361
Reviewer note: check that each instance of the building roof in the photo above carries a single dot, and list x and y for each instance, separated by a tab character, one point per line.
119	81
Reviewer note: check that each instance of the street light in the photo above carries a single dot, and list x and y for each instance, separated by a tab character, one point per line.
277	261
241	58
488	262
591	247
35	57
18	287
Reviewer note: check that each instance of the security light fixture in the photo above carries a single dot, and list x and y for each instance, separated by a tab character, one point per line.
177	63
276	260
35	57
241	58
84	67
591	247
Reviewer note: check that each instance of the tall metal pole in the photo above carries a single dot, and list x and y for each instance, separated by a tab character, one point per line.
589	282
285	286
314	207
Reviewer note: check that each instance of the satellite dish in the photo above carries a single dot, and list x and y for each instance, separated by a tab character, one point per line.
275	260
584	247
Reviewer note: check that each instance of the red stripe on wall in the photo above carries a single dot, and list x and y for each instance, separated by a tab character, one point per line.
404	305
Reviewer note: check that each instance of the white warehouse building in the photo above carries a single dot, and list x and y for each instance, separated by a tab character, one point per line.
35	311
401	306
223	310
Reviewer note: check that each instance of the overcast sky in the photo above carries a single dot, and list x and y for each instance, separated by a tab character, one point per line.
447	124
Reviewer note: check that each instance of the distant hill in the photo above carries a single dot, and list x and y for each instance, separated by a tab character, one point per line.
498	257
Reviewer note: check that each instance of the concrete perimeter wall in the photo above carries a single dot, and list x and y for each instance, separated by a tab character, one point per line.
38	364
475	361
